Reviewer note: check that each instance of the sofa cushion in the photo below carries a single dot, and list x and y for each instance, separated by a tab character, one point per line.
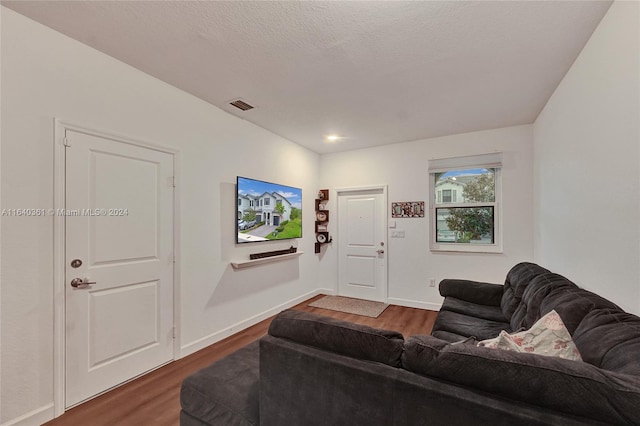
226	392
547	337
467	325
343	337
528	311
573	304
571	387
472	291
448	336
610	339
493	313
518	278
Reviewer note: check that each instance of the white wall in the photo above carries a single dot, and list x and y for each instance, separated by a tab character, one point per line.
587	165
47	75
403	167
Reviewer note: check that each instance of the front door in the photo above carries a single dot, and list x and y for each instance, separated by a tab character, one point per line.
118	264
362	259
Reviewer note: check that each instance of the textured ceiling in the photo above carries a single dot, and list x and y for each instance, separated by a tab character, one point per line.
374	72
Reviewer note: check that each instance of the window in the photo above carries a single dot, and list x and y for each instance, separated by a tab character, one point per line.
464	213
447	196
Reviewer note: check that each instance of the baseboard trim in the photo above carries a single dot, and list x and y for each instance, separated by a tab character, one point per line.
36	417
414	304
326	291
212	338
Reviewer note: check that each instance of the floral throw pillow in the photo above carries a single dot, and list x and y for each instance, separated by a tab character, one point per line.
548	336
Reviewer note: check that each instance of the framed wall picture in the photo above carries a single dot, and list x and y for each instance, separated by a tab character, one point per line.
407	209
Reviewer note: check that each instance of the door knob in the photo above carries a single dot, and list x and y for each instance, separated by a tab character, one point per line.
380	251
81	282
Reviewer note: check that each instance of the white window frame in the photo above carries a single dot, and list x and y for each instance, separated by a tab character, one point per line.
488	161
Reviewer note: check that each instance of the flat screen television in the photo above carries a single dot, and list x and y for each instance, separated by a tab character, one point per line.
267	211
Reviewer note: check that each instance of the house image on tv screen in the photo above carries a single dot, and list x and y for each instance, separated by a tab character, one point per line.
267	211
265	207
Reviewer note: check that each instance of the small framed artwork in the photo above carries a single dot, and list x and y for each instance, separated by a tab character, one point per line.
407	209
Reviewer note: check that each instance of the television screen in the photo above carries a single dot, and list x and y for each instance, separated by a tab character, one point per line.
267	211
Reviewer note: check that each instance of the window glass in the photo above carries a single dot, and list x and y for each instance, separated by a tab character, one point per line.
465	225
465	206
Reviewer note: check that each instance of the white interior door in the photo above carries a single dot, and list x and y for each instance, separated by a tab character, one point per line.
119	226
362	259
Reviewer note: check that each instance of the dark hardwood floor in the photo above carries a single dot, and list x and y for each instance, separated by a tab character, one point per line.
154	399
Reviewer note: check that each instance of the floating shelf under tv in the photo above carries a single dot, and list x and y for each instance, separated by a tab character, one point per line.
240	264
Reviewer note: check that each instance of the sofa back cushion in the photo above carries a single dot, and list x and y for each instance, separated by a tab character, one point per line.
528	311
573	304
610	339
342	337
549	291
515	284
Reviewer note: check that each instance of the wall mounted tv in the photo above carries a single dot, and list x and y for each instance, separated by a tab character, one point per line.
267	211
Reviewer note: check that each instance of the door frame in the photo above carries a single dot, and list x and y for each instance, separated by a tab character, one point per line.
59	244
385	218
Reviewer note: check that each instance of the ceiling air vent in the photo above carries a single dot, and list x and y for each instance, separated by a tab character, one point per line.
240	104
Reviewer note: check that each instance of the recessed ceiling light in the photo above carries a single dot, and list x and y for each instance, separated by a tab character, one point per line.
333	138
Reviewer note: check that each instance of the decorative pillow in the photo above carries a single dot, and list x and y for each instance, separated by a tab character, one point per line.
548	336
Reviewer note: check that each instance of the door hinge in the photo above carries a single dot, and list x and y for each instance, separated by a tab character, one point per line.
173	181
66	142
173	331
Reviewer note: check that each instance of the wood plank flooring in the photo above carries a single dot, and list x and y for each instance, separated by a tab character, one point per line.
154	399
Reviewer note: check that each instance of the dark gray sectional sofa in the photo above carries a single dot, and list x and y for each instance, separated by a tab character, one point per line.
316	370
